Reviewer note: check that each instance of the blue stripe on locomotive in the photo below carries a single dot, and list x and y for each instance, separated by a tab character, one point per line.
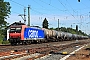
33	33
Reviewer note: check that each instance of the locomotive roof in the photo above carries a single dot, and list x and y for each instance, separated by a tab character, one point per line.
15	23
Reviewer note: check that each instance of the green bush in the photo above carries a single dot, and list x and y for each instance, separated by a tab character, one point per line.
1	39
5	42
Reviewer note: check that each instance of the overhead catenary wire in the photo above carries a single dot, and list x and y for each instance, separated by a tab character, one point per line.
70	13
24	18
30	8
46	9
52	6
40	5
38	11
85	15
17	3
71	6
66	8
15	12
43	13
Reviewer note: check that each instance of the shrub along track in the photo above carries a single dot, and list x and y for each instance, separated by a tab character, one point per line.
11	52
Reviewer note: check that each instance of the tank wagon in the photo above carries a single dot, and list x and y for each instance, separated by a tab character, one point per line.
67	36
22	34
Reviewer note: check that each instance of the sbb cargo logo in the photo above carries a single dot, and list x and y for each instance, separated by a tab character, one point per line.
33	34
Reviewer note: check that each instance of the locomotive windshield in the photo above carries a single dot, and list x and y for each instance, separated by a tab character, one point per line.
17	30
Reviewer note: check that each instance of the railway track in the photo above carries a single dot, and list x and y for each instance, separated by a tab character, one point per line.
40	50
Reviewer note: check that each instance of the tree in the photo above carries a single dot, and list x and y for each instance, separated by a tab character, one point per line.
63	29
4	14
45	23
52	28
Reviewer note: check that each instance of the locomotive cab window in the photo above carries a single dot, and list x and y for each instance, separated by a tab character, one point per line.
18	30
13	30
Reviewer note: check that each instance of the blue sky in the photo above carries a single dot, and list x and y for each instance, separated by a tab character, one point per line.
69	12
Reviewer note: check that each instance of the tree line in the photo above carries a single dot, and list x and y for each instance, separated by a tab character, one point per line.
63	29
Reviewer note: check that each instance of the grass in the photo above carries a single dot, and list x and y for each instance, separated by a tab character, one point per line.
1	39
3	42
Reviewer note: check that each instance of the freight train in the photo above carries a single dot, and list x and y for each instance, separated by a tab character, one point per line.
22	34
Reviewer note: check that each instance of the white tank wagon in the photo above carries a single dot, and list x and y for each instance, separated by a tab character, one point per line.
61	36
58	35
67	36
79	37
74	36
49	33
85	37
53	35
46	33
